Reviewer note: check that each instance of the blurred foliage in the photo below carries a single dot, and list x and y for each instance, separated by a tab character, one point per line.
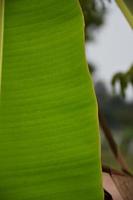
94	12
117	111
124	79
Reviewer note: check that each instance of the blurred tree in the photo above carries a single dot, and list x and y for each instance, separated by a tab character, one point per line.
124	79
94	12
117	112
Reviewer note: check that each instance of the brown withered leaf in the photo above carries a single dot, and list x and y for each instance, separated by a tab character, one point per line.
118	185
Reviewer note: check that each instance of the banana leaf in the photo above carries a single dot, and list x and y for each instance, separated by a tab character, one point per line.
49	136
1	35
126	7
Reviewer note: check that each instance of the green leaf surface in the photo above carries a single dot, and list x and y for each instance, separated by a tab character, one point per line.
1	35
49	140
126	7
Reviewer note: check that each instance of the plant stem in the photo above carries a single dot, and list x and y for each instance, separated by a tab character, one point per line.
113	145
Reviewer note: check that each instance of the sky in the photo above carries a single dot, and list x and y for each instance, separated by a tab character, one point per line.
112	50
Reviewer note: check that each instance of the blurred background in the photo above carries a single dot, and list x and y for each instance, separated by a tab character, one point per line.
109	51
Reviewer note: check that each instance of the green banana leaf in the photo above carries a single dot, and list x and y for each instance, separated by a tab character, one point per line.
1	35
126	7
49	137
